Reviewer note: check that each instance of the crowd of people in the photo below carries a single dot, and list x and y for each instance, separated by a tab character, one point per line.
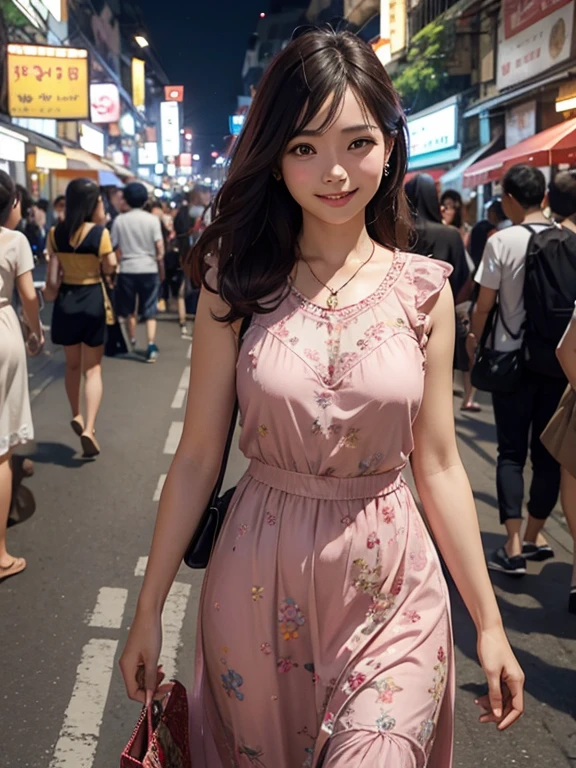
116	258
112	257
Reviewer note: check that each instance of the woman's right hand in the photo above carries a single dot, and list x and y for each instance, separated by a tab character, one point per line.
139	660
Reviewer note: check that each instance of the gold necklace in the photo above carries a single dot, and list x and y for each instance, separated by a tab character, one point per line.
332	300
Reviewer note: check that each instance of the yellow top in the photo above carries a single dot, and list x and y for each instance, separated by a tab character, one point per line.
81	264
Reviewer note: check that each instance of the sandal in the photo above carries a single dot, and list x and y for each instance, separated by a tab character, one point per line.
17	565
89	446
471	407
77	425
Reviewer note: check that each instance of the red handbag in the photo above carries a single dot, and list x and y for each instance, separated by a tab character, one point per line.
161	738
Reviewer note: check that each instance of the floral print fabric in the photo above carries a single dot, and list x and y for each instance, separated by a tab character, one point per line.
324	628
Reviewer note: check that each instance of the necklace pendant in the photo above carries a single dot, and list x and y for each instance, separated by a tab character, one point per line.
332	301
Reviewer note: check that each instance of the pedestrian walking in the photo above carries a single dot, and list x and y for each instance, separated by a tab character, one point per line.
559	437
137	238
520	414
435	239
81	257
324	626
16	265
452	209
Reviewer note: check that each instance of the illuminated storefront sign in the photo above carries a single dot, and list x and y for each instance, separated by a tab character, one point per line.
48	82
174	93
170	123
148	154
104	103
235	123
92	140
139	84
434	135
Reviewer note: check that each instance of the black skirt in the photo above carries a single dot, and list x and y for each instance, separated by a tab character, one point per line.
79	316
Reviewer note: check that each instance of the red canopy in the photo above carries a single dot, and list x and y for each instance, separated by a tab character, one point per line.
436	173
551	147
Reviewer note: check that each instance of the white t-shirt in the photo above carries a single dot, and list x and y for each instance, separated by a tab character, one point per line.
502	268
15	259
136	234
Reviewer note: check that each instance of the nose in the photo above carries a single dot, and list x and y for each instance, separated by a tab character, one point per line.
334	174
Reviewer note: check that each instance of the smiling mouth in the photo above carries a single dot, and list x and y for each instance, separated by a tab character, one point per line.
339	196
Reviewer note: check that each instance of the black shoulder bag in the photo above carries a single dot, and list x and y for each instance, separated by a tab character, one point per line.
204	538
495	371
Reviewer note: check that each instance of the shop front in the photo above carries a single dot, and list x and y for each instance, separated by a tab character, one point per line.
434	141
545	150
13	154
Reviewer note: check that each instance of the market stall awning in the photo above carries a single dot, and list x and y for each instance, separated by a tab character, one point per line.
550	147
452	179
436	173
80	160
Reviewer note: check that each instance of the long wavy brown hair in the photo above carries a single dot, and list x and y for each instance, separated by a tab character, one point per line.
257	222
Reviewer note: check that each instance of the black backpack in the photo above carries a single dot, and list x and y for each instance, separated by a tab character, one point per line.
549	296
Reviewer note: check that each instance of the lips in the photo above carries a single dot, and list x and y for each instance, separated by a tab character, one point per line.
338	199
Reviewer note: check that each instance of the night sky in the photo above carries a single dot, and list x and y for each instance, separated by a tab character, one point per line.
201	45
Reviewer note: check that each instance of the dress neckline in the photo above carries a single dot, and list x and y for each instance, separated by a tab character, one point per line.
387	283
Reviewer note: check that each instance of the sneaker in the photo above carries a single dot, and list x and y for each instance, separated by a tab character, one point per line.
184	331
532	551
152	353
133	343
513	566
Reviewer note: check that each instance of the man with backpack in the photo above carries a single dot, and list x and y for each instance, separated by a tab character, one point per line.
526	277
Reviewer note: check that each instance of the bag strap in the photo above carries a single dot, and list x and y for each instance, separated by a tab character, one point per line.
218	487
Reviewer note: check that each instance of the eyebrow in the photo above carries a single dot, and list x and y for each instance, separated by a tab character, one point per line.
348	129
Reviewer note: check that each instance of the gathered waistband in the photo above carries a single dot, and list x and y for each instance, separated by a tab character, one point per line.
325	486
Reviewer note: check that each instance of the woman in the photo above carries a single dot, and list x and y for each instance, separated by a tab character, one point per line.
325	630
80	250
452	207
16	265
434	238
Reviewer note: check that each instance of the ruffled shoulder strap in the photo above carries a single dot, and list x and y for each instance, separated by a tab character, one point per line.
427	277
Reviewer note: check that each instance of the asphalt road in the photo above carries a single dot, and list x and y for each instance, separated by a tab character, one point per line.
63	622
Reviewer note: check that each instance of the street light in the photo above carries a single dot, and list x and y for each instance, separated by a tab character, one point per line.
141	40
196	157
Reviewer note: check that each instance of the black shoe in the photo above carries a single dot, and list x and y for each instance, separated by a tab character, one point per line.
513	566
572	601
532	551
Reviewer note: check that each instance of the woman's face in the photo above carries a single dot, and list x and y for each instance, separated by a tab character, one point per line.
333	175
449	208
15	215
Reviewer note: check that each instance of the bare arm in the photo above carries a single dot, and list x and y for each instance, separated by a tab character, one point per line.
445	491
29	299
485	302
197	461
566	352
440	476
160	257
53	276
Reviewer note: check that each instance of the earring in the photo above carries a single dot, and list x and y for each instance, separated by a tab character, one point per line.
277	175
387	169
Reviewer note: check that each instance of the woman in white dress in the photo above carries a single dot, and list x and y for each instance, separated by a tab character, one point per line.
16	265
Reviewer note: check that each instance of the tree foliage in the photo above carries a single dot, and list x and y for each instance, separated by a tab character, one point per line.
425	71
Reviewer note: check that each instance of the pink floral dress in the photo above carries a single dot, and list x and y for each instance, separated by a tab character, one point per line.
324	635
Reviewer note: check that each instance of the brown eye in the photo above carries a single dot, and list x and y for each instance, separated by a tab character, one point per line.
302	150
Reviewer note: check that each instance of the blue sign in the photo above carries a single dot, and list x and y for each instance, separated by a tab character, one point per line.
236	122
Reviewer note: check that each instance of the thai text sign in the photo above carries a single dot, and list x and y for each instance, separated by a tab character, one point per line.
532	37
48	82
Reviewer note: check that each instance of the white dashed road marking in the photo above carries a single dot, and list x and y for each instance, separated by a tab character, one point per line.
158	491
140	569
189	353
172	621
173	438
180	395
78	739
109	610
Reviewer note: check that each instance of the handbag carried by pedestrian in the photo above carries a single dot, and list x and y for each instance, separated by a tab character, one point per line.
161	737
495	371
559	437
204	538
